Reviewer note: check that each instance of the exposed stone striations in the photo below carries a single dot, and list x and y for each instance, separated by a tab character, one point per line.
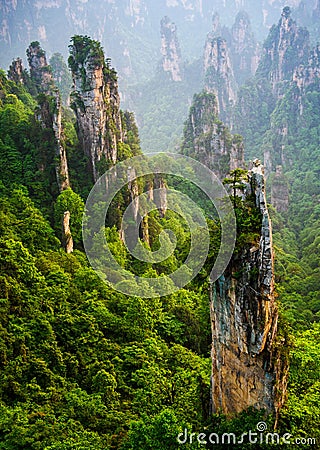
218	72
96	102
244	49
286	47
170	50
16	72
67	240
280	191
208	140
50	109
40	71
308	74
244	321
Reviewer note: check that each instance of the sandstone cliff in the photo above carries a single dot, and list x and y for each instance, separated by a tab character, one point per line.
242	46
294	73
170	50
286	47
244	315
208	140
244	49
218	74
280	191
96	102
107	135
50	109
49	113
248	369
40	71
67	241
127	28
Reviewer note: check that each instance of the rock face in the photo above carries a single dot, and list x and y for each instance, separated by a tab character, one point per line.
40	71
244	49
308	74
96	102
61	167
208	140
280	191
124	27
160	194
293	73
106	133
244	321
306	77
67	240
50	109
170	50
219	77
316	11
16	72
286	47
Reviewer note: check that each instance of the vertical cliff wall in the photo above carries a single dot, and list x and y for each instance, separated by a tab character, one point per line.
50	109
244	319
307	75
170	50
107	135
246	367
293	74
280	190
16	72
244	49
208	140
286	47
96	102
218	73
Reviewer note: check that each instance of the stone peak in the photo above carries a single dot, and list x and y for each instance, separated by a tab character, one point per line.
286	12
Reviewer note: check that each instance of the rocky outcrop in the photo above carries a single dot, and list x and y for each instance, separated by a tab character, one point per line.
170	50
67	241
244	49
107	134
160	194
40	71
216	26
291	112
218	73
96	102
16	72
306	77
308	74
208	140
316	12
244	319
123	27
286	47
49	112
61	166
280	191
241	45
